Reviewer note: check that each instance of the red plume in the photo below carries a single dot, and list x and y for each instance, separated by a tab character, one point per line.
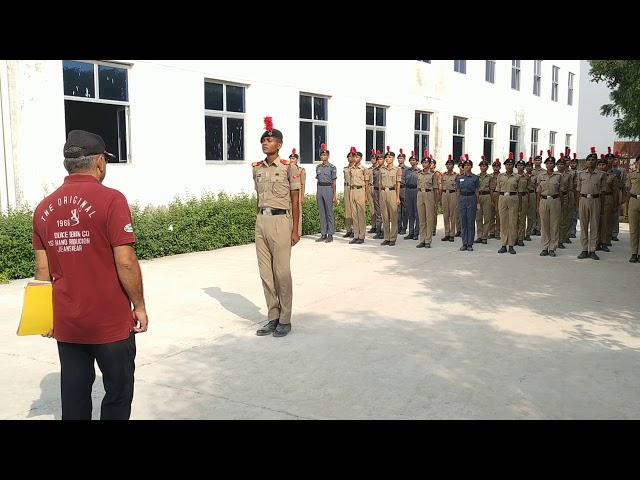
549	152
593	149
574	155
413	154
353	149
450	157
561	155
400	151
510	155
461	158
540	152
521	155
609	149
323	147
377	152
293	152
388	148
568	152
431	156
268	124
425	153
616	154
530	159
466	156
601	156
482	157
373	151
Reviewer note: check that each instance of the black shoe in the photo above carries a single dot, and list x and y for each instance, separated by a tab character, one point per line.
329	238
458	234
598	248
402	232
451	239
415	237
346	235
633	259
477	240
379	236
608	244
386	242
361	240
427	245
269	328
503	249
572	235
568	240
484	241
615	239
512	251
351	233
492	235
433	234
469	248
497	237
594	256
282	329
392	243
583	254
420	245
552	253
561	246
520	243
408	237
321	239
544	253
445	238
604	248
372	230
355	240
528	238
463	248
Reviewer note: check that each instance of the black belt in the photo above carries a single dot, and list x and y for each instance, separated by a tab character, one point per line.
273	211
608	193
557	195
522	194
449	191
356	186
325	184
467	194
376	188
634	195
485	192
411	187
508	193
589	195
387	188
532	191
425	189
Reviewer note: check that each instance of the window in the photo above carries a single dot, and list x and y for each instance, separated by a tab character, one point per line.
376	122
534	141
515	74
570	90
537	76
554	83
458	138
224	107
460	66
567	143
552	142
487	149
425	61
514	134
422	129
96	99
490	71
313	126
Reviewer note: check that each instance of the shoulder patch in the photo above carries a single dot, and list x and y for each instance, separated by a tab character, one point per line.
256	164
284	162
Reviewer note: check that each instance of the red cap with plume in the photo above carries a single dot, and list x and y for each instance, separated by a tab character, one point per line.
549	152
293	151
450	157
268	124
510	155
574	155
521	155
323	147
353	150
568	152
593	150
425	153
401	152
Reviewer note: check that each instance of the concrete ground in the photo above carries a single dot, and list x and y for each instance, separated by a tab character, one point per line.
378	333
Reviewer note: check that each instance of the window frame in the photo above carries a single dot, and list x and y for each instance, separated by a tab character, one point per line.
314	123
224	114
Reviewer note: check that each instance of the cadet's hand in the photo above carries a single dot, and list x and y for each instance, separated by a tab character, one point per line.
478	207
335	200
398	202
49	334
142	321
295	238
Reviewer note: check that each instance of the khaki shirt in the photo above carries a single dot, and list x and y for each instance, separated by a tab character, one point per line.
548	184
427	180
274	183
507	183
523	184
493	183
389	176
611	185
574	179
448	181
591	183
345	172
485	182
358	176
402	169
633	183
534	177
565	182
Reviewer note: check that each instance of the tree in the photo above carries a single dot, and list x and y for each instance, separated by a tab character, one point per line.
623	78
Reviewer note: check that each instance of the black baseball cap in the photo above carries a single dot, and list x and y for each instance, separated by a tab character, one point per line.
81	144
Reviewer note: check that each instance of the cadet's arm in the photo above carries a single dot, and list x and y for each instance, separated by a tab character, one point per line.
295	207
333	185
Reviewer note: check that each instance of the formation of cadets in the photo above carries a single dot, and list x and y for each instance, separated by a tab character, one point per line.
510	206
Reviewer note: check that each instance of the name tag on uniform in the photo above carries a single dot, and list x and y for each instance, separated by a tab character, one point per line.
461	180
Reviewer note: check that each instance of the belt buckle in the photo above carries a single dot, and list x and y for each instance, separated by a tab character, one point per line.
506	194
589	195
267	211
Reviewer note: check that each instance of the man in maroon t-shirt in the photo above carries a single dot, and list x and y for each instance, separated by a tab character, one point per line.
83	241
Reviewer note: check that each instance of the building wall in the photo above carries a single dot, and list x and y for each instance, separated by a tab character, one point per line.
167	135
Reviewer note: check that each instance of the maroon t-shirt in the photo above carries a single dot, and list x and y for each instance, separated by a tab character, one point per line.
78	225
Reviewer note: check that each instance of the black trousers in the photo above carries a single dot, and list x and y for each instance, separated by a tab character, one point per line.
77	373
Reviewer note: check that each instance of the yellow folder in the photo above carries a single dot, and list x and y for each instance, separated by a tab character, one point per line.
37	309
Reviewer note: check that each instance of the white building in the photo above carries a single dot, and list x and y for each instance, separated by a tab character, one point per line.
166	120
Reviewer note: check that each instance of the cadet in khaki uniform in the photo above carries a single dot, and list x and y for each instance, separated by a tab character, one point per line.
607	206
494	226
633	211
537	170
549	206
278	188
531	200
377	209
483	219
326	175
411	197
507	189
427	200
565	186
372	160
591	184
621	175
302	174
449	197
573	212
390	198
432	167
523	200
348	220
359	184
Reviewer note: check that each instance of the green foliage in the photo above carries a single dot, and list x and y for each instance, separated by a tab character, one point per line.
623	78
17	259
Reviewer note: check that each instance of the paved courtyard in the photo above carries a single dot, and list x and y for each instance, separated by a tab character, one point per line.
378	333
